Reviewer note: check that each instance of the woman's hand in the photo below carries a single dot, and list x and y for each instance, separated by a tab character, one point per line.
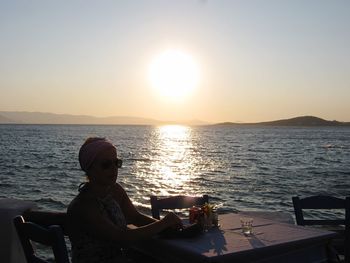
172	220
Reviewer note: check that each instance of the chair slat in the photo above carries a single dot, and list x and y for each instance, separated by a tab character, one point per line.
325	222
322	202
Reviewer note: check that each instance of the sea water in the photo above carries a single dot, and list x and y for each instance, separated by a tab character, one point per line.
240	168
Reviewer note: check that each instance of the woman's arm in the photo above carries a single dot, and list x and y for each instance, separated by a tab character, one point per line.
130	212
46	218
87	215
141	219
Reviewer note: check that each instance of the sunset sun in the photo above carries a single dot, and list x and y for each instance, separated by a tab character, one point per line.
173	74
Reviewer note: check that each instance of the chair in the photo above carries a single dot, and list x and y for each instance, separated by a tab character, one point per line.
326	202
50	236
175	202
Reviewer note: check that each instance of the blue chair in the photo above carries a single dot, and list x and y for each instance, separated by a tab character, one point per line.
51	236
326	202
175	202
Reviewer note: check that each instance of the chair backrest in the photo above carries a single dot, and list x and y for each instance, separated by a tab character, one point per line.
175	202
325	202
51	236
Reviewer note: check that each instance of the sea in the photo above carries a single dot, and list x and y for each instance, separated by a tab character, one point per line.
240	168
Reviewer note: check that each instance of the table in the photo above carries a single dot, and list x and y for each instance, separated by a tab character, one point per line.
10	247
271	241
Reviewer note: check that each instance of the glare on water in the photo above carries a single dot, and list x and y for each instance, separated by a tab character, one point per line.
170	169
174	143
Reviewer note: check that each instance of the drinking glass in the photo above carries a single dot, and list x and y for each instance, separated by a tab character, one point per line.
247	225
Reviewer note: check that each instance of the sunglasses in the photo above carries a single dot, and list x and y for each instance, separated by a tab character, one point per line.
107	164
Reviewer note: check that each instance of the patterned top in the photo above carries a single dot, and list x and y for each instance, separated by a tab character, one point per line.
88	249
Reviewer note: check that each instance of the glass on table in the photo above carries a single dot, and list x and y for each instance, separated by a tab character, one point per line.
215	218
247	225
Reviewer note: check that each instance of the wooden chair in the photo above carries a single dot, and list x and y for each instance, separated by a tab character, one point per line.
175	202
51	236
326	202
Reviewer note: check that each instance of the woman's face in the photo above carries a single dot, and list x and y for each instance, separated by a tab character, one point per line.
104	169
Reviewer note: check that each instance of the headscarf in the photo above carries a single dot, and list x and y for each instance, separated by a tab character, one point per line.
90	149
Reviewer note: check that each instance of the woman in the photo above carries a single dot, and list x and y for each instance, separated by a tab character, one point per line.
98	216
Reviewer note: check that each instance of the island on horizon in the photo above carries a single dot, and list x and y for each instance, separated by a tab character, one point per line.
303	121
12	117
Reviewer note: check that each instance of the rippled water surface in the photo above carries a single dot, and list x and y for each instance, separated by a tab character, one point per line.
241	168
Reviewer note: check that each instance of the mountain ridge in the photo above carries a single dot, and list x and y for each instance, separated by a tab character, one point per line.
24	117
303	121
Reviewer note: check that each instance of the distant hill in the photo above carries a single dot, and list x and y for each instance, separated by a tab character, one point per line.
5	120
51	118
304	121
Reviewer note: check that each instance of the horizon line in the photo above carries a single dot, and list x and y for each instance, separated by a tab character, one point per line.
145	119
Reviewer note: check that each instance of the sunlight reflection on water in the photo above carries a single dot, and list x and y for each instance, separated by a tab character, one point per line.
172	167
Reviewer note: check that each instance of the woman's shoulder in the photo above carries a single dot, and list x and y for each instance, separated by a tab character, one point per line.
119	193
83	201
118	187
118	190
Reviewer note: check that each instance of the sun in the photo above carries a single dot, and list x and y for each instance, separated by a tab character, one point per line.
174	74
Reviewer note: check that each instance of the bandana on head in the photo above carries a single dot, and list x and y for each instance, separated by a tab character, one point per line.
89	151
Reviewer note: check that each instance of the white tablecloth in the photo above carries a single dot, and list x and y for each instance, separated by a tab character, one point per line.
271	241
10	247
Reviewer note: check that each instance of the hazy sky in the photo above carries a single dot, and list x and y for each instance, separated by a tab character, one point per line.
257	60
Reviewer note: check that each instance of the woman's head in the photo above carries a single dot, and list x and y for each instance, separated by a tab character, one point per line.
98	159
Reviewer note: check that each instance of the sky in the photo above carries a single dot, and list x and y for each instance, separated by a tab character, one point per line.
254	60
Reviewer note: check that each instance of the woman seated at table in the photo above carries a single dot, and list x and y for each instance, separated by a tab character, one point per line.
98	216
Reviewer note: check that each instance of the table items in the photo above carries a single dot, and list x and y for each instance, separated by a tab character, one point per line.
205	215
188	231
